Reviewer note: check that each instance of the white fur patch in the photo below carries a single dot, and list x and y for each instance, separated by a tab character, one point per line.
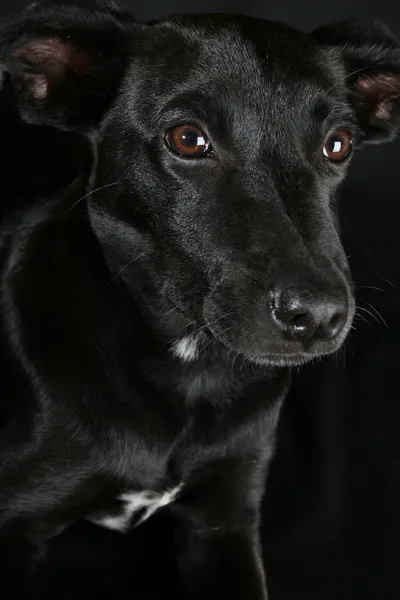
186	348
135	501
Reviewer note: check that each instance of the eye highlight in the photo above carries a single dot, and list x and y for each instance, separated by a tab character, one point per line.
188	141
337	145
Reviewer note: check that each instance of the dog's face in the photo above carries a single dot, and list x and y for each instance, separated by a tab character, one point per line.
220	143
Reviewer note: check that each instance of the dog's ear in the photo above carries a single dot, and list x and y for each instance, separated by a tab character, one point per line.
371	56
66	61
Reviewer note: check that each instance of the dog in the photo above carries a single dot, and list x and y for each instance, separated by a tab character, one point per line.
152	311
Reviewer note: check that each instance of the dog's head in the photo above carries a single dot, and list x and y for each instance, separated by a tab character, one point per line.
220	143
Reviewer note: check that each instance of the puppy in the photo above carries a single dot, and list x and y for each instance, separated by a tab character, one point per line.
150	314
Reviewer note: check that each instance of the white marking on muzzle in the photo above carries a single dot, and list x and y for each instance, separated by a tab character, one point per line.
186	348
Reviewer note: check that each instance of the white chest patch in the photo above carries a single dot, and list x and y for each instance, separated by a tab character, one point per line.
147	503
186	348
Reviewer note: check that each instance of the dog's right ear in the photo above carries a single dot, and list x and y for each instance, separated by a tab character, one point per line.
66	61
370	54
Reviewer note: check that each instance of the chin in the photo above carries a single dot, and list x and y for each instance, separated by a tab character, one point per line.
284	359
282	354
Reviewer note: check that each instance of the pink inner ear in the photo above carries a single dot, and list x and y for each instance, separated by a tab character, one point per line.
39	86
53	58
379	91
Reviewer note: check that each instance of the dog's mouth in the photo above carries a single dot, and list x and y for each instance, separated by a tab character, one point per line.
277	350
290	329
295	328
280	359
283	360
208	342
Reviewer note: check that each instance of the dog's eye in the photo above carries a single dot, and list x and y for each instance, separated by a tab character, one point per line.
189	141
337	145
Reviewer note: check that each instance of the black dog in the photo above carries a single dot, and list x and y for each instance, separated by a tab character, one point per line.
151	313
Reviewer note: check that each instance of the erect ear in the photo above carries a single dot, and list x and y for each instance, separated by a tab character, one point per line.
371	57
66	61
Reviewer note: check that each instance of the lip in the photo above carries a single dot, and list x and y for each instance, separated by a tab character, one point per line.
282	360
295	359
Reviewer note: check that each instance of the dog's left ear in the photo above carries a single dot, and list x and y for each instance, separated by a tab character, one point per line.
66	60
371	56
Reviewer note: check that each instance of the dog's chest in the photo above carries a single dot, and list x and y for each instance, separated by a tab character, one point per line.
133	508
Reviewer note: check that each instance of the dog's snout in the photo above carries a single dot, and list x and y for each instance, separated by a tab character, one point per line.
306	315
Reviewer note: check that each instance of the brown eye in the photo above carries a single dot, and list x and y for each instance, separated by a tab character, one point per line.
189	141
337	145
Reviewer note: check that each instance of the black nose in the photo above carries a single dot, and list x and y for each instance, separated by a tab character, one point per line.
306	315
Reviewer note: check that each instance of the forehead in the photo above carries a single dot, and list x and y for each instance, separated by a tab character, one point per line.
233	69
240	51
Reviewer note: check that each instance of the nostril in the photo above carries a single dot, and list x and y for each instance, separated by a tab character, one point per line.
300	320
299	323
294	319
334	325
336	321
307	316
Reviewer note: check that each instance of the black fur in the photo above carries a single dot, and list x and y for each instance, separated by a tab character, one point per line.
238	250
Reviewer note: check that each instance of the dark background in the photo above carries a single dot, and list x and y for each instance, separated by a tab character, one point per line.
331	527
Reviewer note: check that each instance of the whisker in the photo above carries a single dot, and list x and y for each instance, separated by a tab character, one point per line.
218	312
192	291
369	313
363	319
128	265
207	348
210	345
234	360
103	187
170	311
227	359
391	284
342	355
371	287
212	322
350	256
378	315
345	79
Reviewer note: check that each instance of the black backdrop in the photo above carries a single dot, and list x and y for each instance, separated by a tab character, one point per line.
331	524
